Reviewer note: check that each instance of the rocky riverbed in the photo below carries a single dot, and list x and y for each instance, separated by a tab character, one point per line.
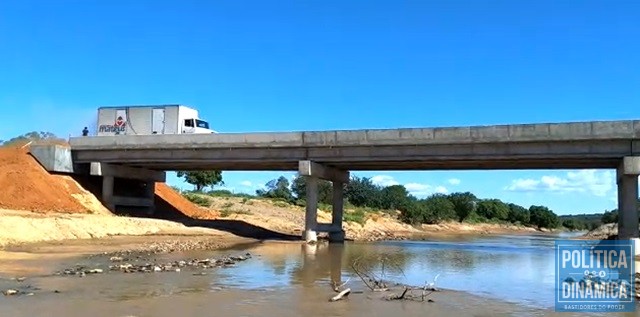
139	264
130	261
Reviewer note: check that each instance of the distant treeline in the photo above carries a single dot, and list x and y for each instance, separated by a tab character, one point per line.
437	208
33	136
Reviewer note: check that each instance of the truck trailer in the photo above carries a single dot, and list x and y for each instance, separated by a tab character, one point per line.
145	120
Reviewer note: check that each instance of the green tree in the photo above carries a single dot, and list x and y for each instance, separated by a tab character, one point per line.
464	204
437	208
362	192
277	188
325	189
518	214
543	217
201	179
571	224
395	197
610	216
492	209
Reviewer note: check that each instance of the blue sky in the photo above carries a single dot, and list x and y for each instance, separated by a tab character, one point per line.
319	65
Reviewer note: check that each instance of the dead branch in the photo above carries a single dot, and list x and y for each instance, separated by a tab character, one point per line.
397	297
341	295
374	283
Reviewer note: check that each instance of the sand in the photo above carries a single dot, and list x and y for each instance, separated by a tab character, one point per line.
18	228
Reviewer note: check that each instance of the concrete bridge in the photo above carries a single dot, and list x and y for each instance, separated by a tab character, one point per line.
331	155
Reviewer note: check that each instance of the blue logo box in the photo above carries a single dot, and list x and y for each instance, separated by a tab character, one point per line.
595	276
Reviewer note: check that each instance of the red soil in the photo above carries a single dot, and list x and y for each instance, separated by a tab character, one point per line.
182	204
26	185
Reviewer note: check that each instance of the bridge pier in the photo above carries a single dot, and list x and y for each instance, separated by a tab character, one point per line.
627	180
144	198
313	172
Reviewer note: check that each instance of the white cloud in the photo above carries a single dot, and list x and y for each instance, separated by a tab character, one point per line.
598	183
416	189
246	183
454	181
384	180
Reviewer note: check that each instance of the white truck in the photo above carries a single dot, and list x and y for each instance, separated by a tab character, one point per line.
144	120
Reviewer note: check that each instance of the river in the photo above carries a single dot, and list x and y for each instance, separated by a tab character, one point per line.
515	271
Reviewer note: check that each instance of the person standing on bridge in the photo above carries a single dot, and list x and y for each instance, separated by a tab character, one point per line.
85	131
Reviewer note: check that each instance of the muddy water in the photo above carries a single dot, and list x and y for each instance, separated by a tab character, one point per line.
495	276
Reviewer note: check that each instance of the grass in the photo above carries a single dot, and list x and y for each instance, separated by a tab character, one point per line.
197	199
227	193
227	205
358	216
226	212
352	213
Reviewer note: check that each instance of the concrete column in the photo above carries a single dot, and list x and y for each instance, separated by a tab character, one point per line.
311	214
627	179
150	193
337	233
313	171
627	207
107	192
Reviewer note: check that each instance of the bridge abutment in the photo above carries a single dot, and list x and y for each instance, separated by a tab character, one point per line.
139	184
627	180
313	172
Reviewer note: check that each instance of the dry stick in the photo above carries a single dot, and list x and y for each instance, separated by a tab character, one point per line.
401	296
406	289
341	295
361	277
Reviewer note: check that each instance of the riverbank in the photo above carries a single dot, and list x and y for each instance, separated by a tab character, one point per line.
367	226
276	223
39	206
265	278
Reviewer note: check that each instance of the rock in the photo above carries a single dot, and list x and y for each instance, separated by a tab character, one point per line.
116	259
10	292
154	265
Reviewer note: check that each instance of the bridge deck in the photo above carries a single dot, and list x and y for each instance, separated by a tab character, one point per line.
599	144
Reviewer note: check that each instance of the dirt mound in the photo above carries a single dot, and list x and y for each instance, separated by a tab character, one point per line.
26	185
181	204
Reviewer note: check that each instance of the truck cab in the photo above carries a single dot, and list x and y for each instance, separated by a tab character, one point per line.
193	125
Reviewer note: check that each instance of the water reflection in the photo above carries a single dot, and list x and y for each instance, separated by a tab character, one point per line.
512	268
515	268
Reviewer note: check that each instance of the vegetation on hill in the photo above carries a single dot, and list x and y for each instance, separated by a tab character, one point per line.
365	196
33	136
